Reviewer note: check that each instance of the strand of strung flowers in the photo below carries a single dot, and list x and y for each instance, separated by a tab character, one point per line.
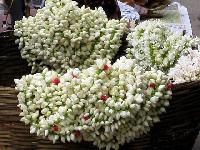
106	104
187	69
63	36
152	44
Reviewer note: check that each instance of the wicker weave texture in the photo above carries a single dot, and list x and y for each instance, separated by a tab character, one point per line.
12	66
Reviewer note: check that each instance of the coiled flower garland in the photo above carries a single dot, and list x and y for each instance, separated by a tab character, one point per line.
106	104
187	69
152	44
63	36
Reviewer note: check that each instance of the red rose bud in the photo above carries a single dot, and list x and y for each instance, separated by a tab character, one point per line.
170	86
55	128
77	133
105	67
104	97
152	85
86	118
55	81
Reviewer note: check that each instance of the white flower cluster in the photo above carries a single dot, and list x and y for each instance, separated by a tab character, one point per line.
187	69
106	104
63	36
152	44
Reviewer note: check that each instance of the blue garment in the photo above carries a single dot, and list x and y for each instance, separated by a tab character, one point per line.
37	3
17	11
128	12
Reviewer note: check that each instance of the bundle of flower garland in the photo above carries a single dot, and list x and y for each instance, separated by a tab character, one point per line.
187	69
152	44
106	104
63	36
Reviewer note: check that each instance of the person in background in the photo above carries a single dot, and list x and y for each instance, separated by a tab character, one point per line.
16	10
110	7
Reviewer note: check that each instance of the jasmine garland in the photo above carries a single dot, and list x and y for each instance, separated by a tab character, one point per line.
152	44
187	69
106	104
63	36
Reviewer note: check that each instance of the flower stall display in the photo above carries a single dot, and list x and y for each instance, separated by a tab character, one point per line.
187	69
106	104
152	44
78	95
63	36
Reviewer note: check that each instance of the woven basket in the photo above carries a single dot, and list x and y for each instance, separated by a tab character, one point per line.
177	130
11	64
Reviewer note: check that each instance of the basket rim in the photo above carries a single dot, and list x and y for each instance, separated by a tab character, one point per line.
185	85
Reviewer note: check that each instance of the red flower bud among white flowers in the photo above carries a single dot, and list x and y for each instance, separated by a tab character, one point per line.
104	98
77	134
55	128
170	86
152	85
55	81
106	67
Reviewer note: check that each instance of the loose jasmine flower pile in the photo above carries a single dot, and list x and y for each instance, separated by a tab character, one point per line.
105	104
187	69
63	36
152	44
